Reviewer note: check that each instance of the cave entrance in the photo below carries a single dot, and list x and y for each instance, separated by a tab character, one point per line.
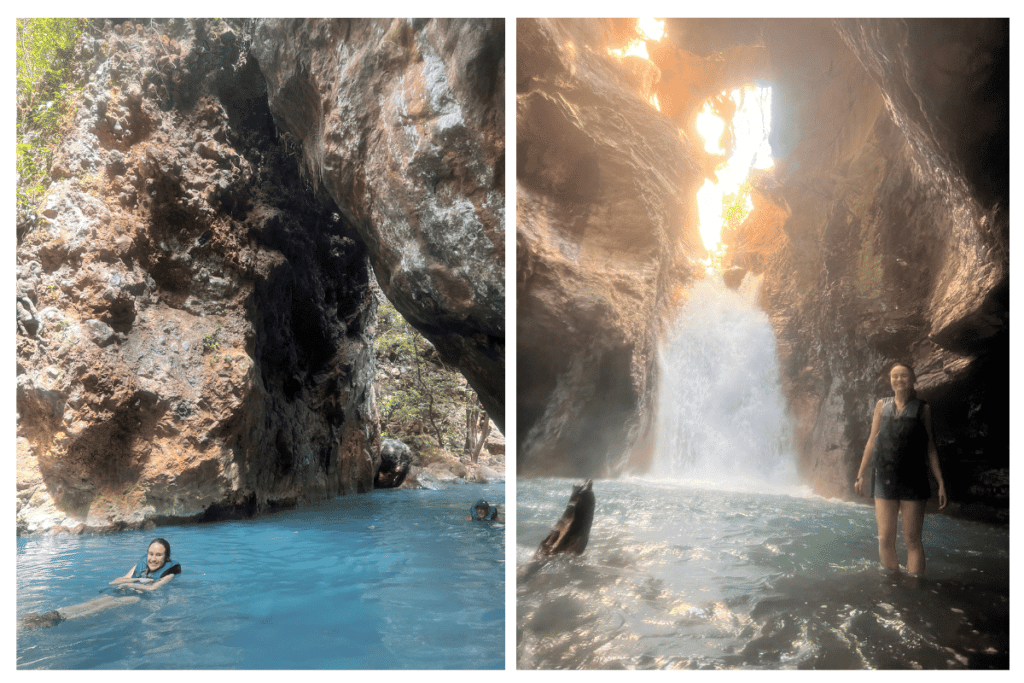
735	126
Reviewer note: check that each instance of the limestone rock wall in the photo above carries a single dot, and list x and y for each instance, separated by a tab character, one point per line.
895	232
401	122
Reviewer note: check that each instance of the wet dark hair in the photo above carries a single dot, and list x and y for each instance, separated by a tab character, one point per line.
480	505
165	544
908	366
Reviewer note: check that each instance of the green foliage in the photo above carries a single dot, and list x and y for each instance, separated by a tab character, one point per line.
734	207
45	93
211	341
426	397
211	345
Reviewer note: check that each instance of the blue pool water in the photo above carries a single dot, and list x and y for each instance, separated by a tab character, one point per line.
394	579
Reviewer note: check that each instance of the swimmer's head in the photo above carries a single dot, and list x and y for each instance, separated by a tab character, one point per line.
158	554
481	509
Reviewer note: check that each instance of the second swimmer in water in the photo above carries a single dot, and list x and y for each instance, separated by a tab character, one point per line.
482	511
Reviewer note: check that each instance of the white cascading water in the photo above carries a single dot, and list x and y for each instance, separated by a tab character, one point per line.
722	416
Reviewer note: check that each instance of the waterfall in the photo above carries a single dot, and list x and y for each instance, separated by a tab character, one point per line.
722	416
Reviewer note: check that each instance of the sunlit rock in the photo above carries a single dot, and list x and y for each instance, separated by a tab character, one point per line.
196	314
603	217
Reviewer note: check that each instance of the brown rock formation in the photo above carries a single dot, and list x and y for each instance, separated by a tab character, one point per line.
882	232
402	122
195	321
602	220
895	180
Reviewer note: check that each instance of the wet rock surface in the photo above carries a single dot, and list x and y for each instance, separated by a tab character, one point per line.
898	239
572	530
395	459
195	318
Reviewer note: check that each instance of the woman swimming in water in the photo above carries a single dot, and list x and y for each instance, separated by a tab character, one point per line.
155	569
903	450
482	511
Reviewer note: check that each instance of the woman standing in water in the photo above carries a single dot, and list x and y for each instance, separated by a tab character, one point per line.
154	570
902	448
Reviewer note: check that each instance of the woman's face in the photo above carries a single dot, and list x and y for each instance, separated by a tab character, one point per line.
901	379
156	556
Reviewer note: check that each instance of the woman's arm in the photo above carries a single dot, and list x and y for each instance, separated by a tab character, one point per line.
869	449
933	455
153	586
126	578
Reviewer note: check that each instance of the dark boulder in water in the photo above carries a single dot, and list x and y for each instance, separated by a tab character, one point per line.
572	532
395	460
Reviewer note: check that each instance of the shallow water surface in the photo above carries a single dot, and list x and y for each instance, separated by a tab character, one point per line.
391	579
682	574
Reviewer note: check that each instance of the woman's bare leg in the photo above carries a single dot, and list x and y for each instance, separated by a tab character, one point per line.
886	514
913	522
82	609
101	603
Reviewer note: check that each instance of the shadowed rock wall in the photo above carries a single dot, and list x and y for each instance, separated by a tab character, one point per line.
402	123
897	236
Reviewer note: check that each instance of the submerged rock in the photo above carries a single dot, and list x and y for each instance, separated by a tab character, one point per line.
572	531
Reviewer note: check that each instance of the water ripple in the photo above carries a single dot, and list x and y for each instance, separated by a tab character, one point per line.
678	577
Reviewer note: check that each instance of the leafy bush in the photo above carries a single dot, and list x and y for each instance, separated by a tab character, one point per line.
45	94
426	397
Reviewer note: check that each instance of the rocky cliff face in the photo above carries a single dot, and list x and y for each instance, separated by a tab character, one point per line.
894	180
603	219
882	232
402	122
195	313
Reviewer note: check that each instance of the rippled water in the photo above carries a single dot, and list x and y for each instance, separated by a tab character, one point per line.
392	579
681	574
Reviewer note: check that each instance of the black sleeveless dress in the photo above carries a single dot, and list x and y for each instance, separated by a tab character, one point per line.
901	453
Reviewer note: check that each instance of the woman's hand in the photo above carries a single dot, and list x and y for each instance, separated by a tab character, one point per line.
858	486
128	579
151	584
942	495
